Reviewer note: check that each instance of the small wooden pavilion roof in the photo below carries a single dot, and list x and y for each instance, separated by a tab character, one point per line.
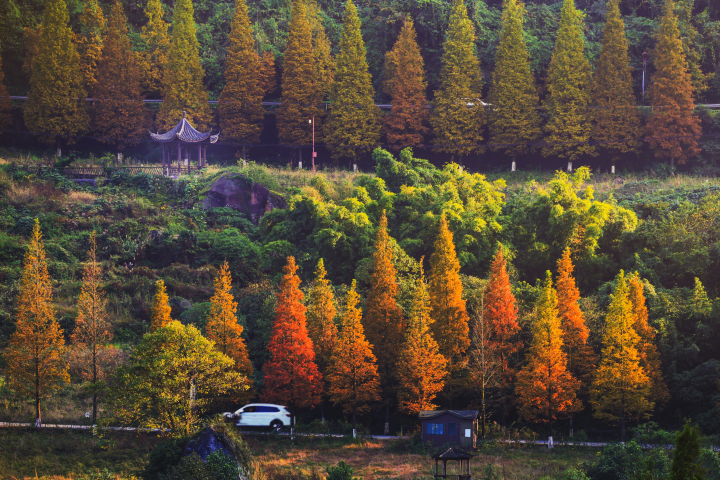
453	454
184	132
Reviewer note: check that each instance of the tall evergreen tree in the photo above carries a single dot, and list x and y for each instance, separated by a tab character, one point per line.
301	90
183	88
160	310
458	115
119	109
156	43
672	127
514	119
321	318
405	83
546	389
55	107
35	357
90	42
568	129
5	118
324	61
240	105
353	125
621	387
616	121
686	460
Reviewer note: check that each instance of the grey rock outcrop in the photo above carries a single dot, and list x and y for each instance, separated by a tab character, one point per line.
206	443
241	193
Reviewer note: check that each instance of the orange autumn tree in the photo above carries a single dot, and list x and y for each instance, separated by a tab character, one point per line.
92	333
160	310
36	364
291	375
421	368
500	314
546	390
223	327
647	350
352	376
383	319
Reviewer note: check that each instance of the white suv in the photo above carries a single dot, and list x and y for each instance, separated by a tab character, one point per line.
260	415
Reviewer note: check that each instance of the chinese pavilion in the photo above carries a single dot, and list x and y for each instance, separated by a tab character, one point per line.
183	135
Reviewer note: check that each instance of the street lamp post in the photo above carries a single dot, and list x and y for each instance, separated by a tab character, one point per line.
312	122
644	59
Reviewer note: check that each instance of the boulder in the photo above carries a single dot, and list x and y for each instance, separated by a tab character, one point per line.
205	443
241	193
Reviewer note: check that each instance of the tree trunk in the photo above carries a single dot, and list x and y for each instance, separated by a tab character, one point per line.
95	379
37	393
354	420
622	426
387	420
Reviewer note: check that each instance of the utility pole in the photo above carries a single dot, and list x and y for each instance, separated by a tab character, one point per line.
314	154
644	57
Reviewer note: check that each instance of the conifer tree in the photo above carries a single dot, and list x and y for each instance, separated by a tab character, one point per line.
56	100
183	89
580	356
353	125
5	118
672	127
450	319
546	389
268	75
160	310
300	87
92	329
514	118
616	122
405	83
457	125
352	375
383	319
119	109
568	129
156	45
324	61
500	313
421	367
35	362
687	461
321	318
291	375
90	42
621	387
240	105
647	350
223	327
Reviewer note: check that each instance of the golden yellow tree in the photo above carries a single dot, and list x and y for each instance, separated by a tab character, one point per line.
421	369
223	327
92	329
36	364
621	387
160	310
90	42
154	53
352	376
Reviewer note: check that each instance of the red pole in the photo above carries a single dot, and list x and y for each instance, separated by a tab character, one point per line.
313	152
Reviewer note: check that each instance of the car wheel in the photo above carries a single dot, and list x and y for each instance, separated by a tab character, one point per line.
276	425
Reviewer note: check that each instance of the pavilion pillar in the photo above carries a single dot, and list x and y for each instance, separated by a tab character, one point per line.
163	158
444	467
179	158
199	155
204	155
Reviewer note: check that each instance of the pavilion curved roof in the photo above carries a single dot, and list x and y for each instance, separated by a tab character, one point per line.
184	132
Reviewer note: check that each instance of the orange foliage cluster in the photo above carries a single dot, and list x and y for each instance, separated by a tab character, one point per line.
160	310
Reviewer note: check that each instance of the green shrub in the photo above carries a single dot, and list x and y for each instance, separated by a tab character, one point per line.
343	471
163	458
629	462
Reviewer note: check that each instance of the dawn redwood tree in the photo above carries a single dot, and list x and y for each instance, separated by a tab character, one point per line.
687	463
383	318
35	357
90	42
322	49
291	375
55	106
156	43
514	119
616	121
240	103
353	125
352	374
546	390
421	369
268	75
223	327
93	331
569	80
406	124
672	128
500	312
160	310
182	88
647	350
483	364
621	388
458	126
119	109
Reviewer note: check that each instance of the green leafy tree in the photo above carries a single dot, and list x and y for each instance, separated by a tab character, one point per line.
568	129
55	107
686	463
458	116
183	88
513	120
353	125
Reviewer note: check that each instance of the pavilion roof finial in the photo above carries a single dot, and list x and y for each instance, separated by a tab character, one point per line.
184	113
